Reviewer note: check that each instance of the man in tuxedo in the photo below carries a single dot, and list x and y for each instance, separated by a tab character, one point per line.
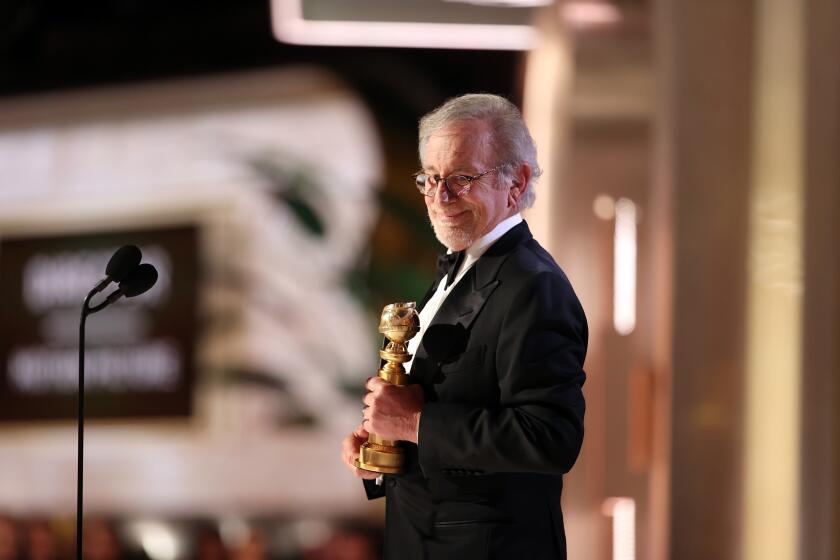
493	415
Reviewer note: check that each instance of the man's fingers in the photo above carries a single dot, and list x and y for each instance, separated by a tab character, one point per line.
350	445
348	456
367	475
375	383
349	460
350	452
359	432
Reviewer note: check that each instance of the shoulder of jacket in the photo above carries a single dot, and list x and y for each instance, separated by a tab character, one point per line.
530	259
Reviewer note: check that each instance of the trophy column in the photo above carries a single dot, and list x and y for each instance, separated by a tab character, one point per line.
399	323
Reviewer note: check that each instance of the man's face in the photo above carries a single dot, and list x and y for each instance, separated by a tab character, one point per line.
464	148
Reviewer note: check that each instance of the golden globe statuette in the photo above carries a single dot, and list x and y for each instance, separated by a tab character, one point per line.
399	323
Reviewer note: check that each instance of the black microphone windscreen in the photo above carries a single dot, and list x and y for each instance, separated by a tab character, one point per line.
139	280
123	262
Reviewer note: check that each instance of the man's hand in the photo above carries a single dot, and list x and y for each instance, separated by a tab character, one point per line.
392	411
350	452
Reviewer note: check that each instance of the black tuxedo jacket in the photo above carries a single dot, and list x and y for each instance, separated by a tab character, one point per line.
501	366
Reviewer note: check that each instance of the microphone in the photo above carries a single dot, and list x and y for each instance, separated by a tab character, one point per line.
125	260
137	282
134	279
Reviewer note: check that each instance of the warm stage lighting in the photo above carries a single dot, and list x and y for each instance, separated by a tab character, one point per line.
624	272
623	513
590	13
292	24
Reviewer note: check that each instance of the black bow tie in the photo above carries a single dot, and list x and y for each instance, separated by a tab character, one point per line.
448	264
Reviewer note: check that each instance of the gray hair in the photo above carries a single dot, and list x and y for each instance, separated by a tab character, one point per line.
511	140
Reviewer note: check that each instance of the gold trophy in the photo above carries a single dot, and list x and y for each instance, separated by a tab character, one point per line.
399	323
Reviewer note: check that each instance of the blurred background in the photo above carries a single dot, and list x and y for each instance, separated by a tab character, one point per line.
260	153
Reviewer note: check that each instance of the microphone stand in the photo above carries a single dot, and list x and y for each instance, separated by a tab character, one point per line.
121	265
86	310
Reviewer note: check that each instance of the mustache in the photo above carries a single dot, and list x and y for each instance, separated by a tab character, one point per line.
448	211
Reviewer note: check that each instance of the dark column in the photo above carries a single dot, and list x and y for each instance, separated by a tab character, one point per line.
820	492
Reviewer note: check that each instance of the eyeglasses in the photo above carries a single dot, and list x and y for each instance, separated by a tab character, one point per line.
456	185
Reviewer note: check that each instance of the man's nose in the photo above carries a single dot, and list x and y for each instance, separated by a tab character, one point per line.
442	192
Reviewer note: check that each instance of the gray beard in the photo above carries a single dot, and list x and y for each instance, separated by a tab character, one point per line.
454	239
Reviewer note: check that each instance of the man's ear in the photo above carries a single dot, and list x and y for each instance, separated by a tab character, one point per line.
514	193
520	180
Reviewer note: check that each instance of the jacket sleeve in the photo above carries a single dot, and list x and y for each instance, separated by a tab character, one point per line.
538	425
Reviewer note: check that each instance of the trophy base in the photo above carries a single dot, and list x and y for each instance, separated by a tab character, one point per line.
376	457
377	468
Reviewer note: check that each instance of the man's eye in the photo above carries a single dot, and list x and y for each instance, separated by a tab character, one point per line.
460	180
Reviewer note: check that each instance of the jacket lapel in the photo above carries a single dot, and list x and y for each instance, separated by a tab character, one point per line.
428	295
464	303
468	297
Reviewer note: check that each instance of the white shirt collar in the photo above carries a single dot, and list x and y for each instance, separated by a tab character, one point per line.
480	246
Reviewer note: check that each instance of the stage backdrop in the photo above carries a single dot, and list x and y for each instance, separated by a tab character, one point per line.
255	194
139	358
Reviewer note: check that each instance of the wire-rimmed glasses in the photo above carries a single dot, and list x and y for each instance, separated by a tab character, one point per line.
456	184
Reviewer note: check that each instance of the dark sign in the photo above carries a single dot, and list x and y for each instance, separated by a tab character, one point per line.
139	351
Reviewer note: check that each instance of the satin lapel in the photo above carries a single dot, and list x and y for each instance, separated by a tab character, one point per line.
429	293
462	306
468	297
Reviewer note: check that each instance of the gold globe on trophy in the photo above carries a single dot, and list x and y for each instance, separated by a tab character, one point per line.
399	323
